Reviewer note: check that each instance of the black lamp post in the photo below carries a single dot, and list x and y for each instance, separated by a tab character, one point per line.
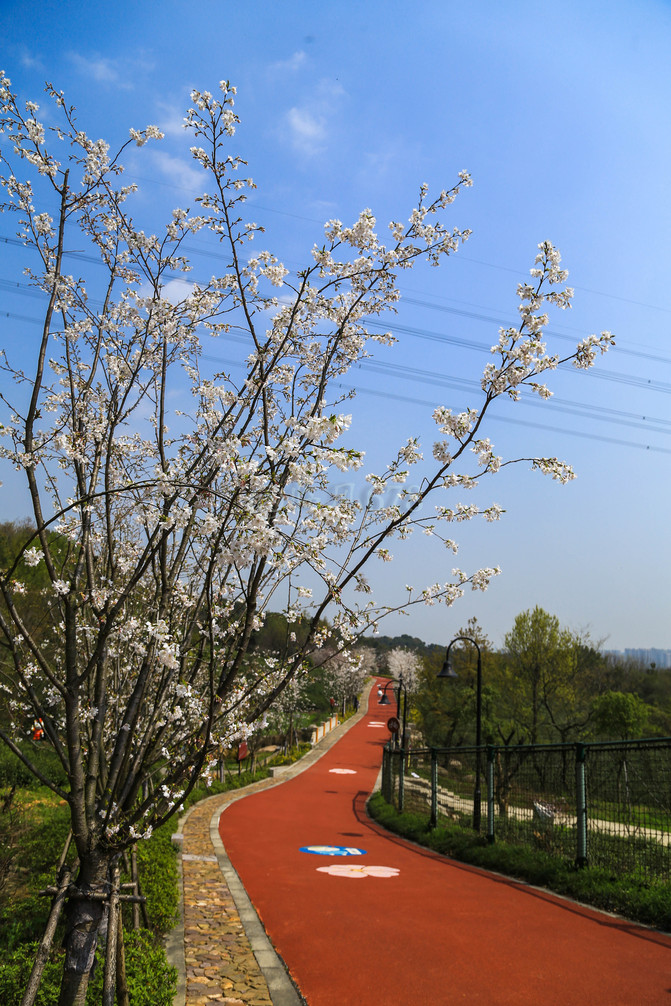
383	700
447	672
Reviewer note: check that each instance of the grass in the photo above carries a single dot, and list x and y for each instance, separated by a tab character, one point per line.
33	830
626	894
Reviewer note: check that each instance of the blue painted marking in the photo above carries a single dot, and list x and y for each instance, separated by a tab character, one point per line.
332	850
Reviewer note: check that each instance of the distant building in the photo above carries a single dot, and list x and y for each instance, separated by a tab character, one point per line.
660	658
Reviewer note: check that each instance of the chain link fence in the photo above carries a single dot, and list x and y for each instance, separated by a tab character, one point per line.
606	804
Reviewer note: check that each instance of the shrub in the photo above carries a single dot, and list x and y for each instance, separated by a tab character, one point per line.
12	770
626	894
43	843
158	877
14	773
151	981
292	755
15	969
36	830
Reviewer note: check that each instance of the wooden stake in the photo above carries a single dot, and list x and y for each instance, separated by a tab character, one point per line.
64	877
109	979
121	983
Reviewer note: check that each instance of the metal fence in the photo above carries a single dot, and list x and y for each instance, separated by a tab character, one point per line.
606	804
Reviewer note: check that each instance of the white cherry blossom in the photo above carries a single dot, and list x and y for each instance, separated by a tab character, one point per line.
172	507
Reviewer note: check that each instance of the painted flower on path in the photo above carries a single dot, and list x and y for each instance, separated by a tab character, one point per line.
349	870
342	771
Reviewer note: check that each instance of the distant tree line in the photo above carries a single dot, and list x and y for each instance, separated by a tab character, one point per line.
547	684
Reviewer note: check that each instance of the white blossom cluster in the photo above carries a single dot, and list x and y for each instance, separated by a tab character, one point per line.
404	665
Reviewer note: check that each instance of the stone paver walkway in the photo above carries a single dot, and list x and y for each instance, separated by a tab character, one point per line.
219	964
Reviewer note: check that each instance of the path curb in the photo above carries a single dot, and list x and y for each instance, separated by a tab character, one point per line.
280	987
281	990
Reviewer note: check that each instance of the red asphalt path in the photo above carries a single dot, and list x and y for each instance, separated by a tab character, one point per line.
437	932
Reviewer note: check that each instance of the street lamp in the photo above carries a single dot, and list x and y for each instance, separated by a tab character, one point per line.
383	700
447	672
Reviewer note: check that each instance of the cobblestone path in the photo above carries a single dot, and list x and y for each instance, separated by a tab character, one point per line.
219	962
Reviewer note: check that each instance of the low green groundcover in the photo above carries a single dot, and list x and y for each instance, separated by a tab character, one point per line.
151	981
634	897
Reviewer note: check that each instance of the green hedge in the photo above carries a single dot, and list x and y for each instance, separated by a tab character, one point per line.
625	894
14	773
158	877
33	842
151	981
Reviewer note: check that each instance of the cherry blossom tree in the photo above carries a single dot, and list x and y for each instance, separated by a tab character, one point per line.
345	670
405	664
185	502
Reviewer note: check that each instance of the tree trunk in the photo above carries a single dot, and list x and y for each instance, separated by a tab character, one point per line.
83	917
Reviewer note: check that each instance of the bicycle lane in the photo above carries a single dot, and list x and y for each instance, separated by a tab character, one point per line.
400	925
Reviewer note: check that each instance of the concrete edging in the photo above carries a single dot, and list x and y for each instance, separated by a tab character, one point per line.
282	990
280	986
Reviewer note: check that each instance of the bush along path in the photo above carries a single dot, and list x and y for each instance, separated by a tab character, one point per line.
219	948
633	896
33	831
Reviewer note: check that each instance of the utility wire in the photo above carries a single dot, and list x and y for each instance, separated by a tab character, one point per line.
648	384
405	299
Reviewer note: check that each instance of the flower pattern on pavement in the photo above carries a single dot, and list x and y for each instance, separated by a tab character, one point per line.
349	870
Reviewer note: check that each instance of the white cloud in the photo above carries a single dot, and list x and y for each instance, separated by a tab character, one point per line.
324	208
171	121
292	64
31	62
182	173
177	290
174	291
308	124
307	130
100	69
121	73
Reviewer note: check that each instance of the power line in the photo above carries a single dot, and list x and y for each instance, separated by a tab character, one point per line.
404	372
516	422
647	384
548	332
559	404
405	299
463	384
573	408
484	347
467	258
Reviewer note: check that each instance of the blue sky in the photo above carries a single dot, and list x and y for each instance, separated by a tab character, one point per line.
561	114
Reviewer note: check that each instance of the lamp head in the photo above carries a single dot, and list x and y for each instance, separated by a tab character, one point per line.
446	670
384	700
